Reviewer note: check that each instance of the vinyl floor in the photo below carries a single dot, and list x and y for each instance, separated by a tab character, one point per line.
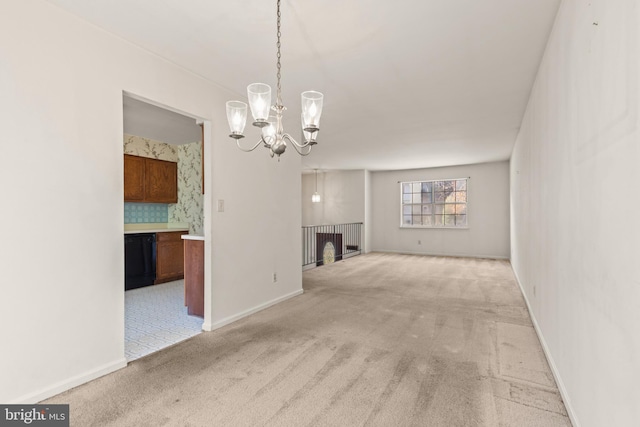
156	318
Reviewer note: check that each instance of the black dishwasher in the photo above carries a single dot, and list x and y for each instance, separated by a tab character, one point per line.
139	260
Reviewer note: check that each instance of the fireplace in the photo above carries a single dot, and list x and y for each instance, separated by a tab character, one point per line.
328	248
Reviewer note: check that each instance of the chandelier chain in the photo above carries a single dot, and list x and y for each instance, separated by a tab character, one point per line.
279	75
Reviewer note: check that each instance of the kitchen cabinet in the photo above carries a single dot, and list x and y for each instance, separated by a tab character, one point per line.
133	178
150	180
160	181
169	256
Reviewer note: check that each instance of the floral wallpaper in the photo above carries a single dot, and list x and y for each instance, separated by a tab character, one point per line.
145	147
189	158
190	201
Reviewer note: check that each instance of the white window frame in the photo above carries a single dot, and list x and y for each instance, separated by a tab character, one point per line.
433	203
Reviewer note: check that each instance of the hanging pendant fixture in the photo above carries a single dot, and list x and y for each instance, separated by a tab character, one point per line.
273	136
316	196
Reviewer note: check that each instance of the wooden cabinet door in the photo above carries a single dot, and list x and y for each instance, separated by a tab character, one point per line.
133	178
169	256
194	277
161	181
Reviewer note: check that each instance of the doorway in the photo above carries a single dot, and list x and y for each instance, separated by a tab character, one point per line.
155	315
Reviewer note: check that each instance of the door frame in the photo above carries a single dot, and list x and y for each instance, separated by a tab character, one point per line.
207	192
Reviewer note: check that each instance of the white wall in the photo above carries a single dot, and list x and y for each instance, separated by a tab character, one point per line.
368	212
574	203
343	197
488	213
62	307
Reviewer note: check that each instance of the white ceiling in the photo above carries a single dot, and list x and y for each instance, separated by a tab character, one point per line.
407	84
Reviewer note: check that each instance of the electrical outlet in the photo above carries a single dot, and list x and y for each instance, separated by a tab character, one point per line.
419	242
534	291
220	205
275	277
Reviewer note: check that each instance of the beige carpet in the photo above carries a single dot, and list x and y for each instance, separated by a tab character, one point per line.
376	340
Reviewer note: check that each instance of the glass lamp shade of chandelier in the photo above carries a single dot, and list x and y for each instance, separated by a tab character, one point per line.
237	117
269	132
259	95
311	110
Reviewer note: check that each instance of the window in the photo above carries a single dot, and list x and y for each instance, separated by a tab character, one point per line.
434	203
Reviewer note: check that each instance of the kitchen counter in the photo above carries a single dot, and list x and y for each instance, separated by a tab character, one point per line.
192	237
155	227
156	230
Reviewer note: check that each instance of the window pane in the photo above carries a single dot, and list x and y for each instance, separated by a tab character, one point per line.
440	196
417	198
449	209
406	219
461	220
406	188
426	220
451	197
426	187
438	185
461	184
439	219
461	196
417	187
449	220
417	220
461	209
406	198
406	210
439	209
446	188
426	198
416	209
427	209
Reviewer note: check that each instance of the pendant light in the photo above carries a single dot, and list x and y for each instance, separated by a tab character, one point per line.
316	196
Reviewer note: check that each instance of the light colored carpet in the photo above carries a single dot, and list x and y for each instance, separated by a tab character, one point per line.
376	340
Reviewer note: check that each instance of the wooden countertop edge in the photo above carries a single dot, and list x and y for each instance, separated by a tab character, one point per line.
156	230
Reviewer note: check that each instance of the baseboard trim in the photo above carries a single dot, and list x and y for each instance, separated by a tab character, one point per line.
70	383
233	318
547	353
442	254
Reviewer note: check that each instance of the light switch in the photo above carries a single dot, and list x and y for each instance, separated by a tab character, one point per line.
220	205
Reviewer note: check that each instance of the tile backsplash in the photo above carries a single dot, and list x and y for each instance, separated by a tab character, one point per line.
135	213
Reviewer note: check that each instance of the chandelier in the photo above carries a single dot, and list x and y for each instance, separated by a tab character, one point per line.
272	135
